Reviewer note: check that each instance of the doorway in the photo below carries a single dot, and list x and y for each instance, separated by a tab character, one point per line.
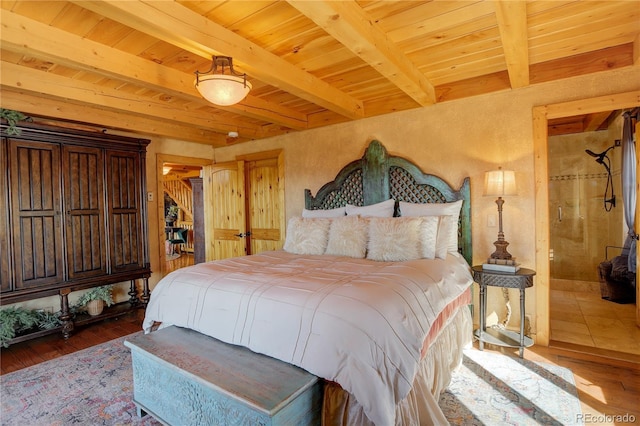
587	226
175	171
541	117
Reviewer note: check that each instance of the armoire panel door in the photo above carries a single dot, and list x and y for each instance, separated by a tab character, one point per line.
83	170
6	283
123	195
36	212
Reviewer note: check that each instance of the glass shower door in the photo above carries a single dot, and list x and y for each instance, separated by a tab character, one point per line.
569	258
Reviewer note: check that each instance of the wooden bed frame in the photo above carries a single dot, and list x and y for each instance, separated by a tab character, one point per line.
378	176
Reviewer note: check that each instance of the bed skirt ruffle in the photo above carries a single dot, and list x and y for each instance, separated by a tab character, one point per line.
420	407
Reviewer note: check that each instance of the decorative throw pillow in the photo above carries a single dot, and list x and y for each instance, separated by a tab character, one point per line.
437	209
383	209
307	236
348	237
340	211
429	236
445	226
394	239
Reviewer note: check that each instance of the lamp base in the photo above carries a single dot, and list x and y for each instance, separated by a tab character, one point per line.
501	250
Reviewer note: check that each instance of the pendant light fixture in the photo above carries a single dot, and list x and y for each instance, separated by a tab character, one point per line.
220	88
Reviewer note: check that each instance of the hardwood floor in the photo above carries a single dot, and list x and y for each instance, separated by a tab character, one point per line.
31	352
608	383
607	387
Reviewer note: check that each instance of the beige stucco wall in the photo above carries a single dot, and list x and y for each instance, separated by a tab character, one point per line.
454	139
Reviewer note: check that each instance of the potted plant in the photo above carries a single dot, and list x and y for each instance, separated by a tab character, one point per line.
94	299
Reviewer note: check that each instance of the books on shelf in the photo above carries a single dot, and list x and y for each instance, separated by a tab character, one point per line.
501	267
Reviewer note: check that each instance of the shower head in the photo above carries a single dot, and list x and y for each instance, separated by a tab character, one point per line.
599	157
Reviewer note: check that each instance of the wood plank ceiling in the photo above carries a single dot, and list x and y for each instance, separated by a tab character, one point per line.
129	65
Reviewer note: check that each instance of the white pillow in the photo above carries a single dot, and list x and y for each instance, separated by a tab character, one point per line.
348	237
445	227
437	209
429	236
340	211
394	239
383	209
307	236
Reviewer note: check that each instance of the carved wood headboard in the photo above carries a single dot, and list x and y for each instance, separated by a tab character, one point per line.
378	176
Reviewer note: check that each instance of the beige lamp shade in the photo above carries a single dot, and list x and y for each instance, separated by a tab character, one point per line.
499	183
221	89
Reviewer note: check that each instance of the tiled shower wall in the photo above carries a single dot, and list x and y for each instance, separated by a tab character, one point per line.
580	228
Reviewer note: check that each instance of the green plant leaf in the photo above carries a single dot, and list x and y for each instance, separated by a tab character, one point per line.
12	118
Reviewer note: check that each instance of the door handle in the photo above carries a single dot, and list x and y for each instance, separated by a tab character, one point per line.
242	235
559	214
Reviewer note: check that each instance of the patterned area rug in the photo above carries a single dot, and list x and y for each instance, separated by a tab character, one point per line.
89	387
94	387
494	389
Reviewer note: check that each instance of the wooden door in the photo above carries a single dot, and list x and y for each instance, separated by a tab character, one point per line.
36	213
83	177
124	192
265	204
224	210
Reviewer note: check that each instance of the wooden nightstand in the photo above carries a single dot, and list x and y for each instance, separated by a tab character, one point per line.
522	280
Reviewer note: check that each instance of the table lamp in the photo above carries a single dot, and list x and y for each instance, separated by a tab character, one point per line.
500	183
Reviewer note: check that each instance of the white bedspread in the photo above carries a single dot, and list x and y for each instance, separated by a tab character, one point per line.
357	322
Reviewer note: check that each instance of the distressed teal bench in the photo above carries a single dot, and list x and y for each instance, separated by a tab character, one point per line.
182	377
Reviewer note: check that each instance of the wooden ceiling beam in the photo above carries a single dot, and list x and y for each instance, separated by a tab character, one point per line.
55	108
601	103
594	121
32	38
348	23
34	81
177	25
512	23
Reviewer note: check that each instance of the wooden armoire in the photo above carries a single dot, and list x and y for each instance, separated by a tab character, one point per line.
72	214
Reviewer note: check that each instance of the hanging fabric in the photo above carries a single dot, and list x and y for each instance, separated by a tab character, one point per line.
629	189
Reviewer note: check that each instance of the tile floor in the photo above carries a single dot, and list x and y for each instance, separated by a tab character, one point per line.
580	316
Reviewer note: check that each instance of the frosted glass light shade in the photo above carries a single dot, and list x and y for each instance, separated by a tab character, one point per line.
223	89
500	182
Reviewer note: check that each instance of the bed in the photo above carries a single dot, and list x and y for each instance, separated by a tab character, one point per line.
371	292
